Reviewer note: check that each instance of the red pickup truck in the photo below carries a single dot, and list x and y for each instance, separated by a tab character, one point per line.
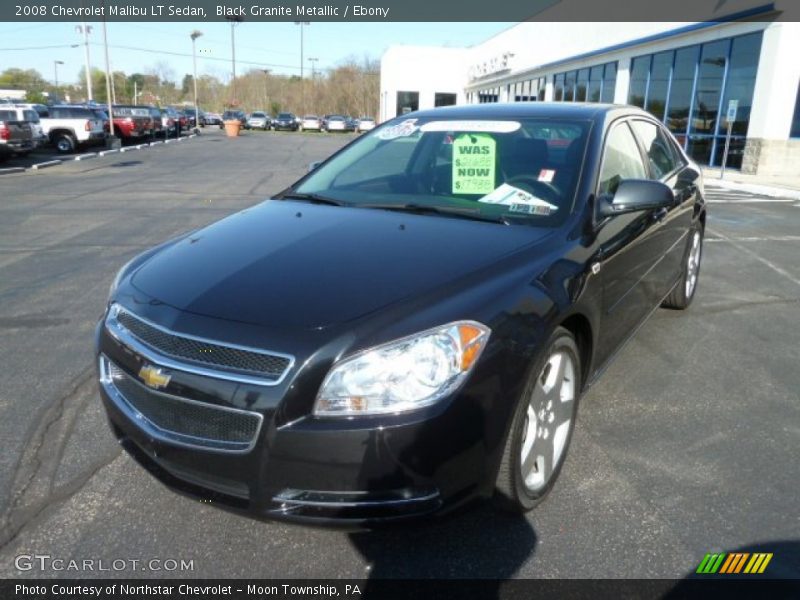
132	122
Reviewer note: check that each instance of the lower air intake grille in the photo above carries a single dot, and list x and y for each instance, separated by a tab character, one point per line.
180	420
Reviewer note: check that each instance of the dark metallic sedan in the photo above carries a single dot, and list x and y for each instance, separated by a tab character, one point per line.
412	324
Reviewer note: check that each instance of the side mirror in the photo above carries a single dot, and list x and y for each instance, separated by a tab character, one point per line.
634	195
314	165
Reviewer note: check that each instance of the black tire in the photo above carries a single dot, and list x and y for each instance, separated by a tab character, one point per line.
64	143
511	492
682	294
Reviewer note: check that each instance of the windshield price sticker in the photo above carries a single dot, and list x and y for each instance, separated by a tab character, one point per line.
473	163
404	129
518	200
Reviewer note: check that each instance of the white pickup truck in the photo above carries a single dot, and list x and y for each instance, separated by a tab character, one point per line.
68	127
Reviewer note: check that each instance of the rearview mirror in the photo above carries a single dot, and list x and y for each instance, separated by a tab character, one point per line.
634	195
314	165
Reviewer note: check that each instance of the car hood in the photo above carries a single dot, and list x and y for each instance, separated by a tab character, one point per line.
294	264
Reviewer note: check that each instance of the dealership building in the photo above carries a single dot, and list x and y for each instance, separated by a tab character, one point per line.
699	78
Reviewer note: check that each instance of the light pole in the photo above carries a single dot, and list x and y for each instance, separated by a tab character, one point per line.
55	68
234	21
313	61
194	35
86	30
266	76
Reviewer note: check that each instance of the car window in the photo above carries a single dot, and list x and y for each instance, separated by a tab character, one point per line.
8	115
523	168
31	115
660	153
621	160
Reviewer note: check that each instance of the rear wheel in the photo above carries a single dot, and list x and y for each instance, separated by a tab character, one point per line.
64	143
682	294
542	427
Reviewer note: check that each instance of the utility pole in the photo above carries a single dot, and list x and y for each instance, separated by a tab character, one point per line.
234	20
55	69
302	25
135	92
194	35
108	79
266	76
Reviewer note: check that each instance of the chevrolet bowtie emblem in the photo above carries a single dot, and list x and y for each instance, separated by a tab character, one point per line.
154	377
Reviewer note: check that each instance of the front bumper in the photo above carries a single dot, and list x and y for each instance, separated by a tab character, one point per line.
314	470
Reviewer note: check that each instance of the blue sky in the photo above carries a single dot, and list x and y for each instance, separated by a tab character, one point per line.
266	44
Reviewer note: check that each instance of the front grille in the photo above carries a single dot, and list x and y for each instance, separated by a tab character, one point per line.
269	366
179	420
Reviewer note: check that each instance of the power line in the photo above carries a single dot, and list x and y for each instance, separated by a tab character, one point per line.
37	48
184	54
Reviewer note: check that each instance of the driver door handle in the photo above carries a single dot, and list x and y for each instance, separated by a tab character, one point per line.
660	214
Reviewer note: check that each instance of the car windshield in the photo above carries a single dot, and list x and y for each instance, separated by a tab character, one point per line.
515	170
258	115
285	116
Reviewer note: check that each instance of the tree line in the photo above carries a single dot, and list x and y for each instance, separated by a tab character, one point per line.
351	88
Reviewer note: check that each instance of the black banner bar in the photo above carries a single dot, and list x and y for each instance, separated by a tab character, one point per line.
387	589
397	10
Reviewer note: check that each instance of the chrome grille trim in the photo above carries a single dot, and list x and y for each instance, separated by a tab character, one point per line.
207	368
158	432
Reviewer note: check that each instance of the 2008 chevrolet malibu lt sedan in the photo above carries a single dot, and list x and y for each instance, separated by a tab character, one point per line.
412	324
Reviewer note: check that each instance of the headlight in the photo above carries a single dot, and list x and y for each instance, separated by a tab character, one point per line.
403	375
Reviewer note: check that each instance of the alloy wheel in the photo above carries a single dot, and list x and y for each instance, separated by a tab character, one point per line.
693	264
548	420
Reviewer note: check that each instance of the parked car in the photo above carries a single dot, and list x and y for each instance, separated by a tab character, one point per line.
178	120
131	122
336	123
26	112
190	116
156	120
69	127
285	121
16	135
365	124
213	118
311	123
102	116
258	120
450	283
234	115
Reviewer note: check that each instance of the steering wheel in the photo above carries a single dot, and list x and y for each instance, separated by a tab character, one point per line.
531	184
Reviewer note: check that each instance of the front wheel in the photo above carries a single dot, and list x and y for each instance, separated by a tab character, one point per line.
542	427
682	294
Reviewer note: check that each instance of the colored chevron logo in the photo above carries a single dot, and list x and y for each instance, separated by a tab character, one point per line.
734	563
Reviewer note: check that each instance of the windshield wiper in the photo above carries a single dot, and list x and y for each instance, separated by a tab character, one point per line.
314	198
463	213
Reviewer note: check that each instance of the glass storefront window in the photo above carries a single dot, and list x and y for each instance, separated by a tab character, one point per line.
558	87
659	83
444	99
569	86
595	84
710	75
609	83
640	69
583	82
796	120
740	82
680	93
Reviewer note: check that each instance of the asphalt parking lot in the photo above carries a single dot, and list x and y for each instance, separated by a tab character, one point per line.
687	445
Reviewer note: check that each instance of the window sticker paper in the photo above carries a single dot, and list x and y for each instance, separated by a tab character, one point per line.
546	175
404	129
474	163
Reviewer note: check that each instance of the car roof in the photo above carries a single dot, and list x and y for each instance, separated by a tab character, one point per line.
545	110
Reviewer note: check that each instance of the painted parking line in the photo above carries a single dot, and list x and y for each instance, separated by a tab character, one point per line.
767	238
744	249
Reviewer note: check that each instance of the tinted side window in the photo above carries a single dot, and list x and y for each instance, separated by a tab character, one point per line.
660	153
621	160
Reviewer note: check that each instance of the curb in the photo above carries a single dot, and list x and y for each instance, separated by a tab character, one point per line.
9	170
85	156
44	165
107	152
